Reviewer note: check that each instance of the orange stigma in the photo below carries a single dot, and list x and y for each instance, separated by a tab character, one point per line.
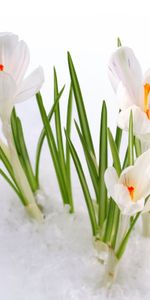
1	67
131	191
146	102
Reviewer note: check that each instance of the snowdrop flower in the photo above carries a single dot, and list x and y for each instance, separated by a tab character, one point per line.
132	187
14	60
133	91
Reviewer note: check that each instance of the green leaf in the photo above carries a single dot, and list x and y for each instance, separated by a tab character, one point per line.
22	152
103	166
59	129
9	168
109	222
84	186
53	149
80	106
10	183
115	226
114	212
15	135
91	164
138	147
6	163
68	131
126	161
60	145
43	134
116	215
114	152
118	138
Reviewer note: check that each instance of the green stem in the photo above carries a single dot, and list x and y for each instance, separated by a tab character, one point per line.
23	155
19	175
123	245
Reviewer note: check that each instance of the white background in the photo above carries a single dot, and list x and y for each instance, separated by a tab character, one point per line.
89	30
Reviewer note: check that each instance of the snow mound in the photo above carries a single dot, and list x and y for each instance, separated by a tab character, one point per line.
56	260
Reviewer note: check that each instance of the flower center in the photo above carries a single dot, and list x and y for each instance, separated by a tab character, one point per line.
1	67
146	102
131	191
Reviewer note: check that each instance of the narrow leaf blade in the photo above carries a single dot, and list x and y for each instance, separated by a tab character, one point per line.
43	134
84	186
114	152
80	105
103	165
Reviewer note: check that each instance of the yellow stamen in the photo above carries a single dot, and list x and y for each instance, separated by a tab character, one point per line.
146	102
131	192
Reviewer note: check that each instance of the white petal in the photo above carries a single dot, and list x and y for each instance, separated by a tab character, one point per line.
142	171
124	176
141	161
147	77
7	87
122	197
8	43
124	99
7	93
138	176
31	85
139	170
113	78
141	124
123	200
125	68
145	141
19	61
136	207
111	178
147	206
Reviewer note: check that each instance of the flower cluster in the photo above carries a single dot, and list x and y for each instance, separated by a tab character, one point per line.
121	191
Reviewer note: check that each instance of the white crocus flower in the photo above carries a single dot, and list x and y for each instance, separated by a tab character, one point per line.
14	60
133	91
131	188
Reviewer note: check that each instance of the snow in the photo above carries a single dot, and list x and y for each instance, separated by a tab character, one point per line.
56	260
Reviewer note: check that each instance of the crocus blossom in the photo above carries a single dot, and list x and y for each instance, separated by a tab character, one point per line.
133	91
132	187
14	60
